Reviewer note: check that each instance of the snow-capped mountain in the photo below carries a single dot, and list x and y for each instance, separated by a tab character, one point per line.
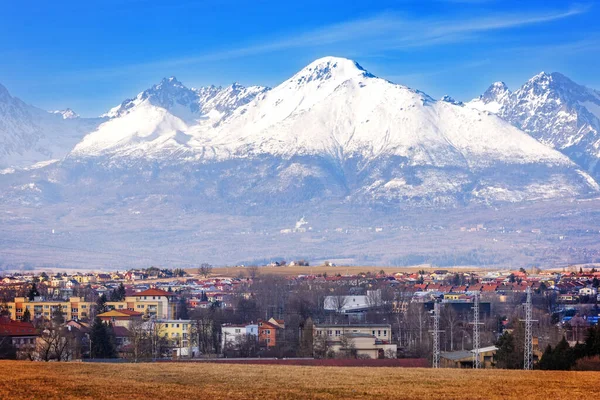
219	174
29	135
156	119
334	128
67	113
556	111
492	99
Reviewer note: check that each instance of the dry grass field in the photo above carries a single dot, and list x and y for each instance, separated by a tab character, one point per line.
316	270
26	380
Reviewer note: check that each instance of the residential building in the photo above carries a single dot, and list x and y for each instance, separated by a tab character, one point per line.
152	302
234	333
268	331
74	308
349	304
22	335
465	358
588	291
123	317
370	340
179	334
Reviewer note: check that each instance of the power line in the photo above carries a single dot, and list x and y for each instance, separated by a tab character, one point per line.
476	338
528	351
436	335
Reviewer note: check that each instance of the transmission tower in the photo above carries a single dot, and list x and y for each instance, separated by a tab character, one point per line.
436	335
528	353
476	339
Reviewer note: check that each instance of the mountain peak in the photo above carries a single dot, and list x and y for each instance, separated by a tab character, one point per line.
449	99
330	68
67	113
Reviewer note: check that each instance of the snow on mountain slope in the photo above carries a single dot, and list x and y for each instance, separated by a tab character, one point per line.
334	128
335	107
29	135
66	113
493	98
556	111
155	121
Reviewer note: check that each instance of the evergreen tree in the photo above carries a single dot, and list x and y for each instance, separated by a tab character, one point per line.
26	316
102	345
33	292
508	356
203	297
592	343
562	357
58	317
7	350
183	309
121	292
101	304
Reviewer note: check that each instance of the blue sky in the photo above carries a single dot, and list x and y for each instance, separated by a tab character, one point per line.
90	55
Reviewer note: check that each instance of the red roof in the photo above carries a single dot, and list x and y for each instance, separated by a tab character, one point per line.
16	328
129	312
120	331
153	292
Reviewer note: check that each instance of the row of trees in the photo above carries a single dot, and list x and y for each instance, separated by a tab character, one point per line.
564	357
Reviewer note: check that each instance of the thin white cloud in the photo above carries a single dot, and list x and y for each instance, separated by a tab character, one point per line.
380	32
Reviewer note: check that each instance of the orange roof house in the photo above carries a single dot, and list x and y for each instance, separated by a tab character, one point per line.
267	331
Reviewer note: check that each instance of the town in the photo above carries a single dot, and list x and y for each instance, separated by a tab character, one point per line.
420	316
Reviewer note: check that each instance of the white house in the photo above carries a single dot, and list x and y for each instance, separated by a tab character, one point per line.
589	291
234	333
346	304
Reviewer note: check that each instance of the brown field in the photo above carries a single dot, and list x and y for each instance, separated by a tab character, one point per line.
27	380
343	270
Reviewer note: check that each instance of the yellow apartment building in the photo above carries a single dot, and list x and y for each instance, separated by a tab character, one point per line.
74	308
152	302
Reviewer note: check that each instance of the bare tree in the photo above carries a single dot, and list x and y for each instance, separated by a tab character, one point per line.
321	346
252	271
450	321
205	269
347	347
339	299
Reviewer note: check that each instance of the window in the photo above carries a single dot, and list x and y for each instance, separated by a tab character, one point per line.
384	333
46	306
373	333
74	310
178	325
268	331
83	306
120	306
238	331
337	333
378	333
268	340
